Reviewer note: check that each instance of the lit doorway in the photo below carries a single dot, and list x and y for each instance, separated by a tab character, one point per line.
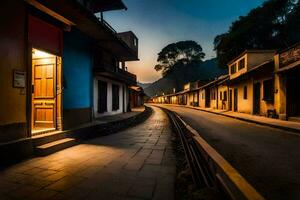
46	92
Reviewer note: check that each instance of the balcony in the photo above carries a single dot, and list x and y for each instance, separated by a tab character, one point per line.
115	73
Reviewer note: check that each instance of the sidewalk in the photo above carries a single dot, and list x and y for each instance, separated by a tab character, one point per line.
137	163
275	123
20	149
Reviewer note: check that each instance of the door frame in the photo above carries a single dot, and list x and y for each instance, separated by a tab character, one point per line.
230	100
256	102
58	122
235	99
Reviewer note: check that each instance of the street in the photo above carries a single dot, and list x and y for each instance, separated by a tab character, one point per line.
268	158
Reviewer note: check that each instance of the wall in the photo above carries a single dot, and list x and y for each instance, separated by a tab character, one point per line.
223	105
280	95
214	101
202	98
77	78
13	53
255	59
264	105
244	105
241	71
109	97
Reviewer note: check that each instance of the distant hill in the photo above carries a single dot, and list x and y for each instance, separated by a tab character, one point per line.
144	85
207	70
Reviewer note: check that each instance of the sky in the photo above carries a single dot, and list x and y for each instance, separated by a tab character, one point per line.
158	23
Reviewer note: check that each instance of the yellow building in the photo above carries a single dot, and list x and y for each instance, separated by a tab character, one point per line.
287	82
251	87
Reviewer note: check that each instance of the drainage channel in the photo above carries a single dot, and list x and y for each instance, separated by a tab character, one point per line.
209	169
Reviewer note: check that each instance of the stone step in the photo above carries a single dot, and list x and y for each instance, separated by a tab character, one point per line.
294	119
54	146
46	138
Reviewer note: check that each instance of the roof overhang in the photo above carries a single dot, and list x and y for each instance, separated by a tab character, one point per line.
107	5
264	69
76	15
120	75
250	51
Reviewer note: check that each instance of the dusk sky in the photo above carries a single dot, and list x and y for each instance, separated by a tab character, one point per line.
160	22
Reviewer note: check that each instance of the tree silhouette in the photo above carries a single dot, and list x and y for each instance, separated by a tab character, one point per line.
273	25
178	54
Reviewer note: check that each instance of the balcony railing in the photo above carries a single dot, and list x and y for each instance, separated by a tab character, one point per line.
116	73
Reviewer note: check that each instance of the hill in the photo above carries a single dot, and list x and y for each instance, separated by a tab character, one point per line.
144	85
207	70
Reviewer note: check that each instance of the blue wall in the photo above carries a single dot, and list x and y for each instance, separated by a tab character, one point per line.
77	71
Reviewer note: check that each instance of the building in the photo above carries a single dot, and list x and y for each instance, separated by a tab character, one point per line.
137	96
208	93
251	82
287	81
260	82
55	55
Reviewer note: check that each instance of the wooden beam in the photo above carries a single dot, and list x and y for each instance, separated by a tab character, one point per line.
50	12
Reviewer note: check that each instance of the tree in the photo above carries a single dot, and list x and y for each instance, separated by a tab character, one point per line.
265	27
178	54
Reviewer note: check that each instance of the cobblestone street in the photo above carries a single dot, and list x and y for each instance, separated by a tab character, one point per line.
137	163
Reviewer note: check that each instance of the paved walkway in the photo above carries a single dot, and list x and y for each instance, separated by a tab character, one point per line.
137	163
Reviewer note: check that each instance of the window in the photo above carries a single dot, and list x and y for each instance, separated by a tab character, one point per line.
233	68
135	42
220	95
115	97
245	92
268	90
225	96
102	97
242	64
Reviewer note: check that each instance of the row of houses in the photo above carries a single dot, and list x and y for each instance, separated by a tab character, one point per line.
62	65
259	82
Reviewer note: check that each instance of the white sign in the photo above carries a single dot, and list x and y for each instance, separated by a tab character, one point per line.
19	79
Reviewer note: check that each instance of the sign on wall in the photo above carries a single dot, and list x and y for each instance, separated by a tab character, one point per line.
290	56
19	79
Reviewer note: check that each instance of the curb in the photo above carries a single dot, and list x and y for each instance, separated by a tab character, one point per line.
232	182
294	130
99	130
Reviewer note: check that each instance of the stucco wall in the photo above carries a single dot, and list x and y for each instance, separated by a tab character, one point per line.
264	105
77	71
13	53
222	105
244	105
202	99
214	101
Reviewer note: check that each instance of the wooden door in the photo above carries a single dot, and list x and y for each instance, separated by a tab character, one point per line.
256	99
44	92
230	100
235	100
292	94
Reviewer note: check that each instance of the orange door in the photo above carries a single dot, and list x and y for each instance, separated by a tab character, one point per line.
44	92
